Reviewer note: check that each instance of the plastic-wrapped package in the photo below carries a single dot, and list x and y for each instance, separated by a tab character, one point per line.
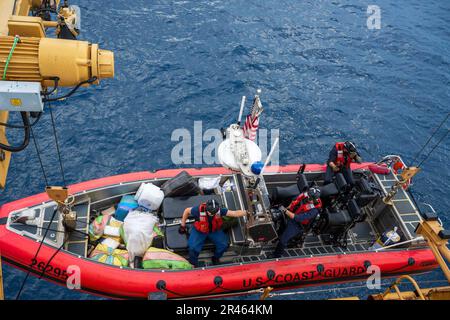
126	204
149	196
208	183
156	258
137	231
97	227
108	255
110	243
111	231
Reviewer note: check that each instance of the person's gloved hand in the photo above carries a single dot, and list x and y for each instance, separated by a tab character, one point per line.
182	230
283	209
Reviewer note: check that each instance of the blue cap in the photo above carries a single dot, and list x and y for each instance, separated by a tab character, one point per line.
257	167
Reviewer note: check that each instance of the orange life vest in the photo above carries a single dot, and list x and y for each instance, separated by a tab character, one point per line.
301	205
202	225
342	159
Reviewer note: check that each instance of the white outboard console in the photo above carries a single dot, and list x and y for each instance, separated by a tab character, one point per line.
238	154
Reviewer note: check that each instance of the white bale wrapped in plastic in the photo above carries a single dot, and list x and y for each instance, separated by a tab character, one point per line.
138	235
208	183
149	196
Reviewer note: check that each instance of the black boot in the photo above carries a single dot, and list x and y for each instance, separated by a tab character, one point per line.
138	262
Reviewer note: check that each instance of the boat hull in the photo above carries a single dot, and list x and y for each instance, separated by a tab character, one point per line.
101	279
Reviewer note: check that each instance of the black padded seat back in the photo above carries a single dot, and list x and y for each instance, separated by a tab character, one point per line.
364	199
302	182
336	222
328	190
340	182
173	207
354	210
367	194
285	193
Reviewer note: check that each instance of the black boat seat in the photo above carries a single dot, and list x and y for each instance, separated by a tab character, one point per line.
285	193
367	194
328	190
179	242
290	192
354	210
335	223
365	199
334	188
364	186
302	182
173	207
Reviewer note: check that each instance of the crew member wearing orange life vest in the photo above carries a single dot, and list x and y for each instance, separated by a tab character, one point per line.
207	225
341	156
301	213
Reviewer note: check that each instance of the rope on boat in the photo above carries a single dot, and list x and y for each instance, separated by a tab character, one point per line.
400	243
39	157
51	258
437	144
283	294
57	146
429	140
36	254
38	152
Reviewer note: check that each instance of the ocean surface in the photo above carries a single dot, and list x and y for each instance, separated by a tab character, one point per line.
325	77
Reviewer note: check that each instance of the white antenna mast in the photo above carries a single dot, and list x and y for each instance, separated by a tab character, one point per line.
242	109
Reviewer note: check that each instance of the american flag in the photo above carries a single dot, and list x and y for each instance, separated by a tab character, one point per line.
252	120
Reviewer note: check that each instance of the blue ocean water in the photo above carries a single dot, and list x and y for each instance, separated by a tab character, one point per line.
324	77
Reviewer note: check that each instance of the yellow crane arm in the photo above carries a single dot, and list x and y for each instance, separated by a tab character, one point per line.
36	58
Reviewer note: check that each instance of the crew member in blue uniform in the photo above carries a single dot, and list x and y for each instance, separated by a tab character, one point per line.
301	212
207	225
339	160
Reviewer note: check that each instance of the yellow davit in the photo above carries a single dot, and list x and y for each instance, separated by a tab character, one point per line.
43	59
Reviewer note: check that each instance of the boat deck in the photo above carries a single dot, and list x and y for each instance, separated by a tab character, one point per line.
404	207
77	242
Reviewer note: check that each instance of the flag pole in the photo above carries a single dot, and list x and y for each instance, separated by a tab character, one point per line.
265	163
270	155
242	110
